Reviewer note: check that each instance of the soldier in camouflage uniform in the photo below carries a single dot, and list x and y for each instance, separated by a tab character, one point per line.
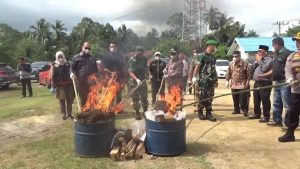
207	80
137	67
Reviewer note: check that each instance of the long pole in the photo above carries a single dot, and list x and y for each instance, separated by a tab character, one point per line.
162	83
76	94
244	91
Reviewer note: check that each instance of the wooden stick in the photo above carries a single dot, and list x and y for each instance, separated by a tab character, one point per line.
133	90
76	94
157	95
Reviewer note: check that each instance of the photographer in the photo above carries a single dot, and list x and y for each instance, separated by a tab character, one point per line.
24	70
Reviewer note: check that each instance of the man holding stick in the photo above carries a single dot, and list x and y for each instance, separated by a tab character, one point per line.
83	66
156	67
137	68
205	69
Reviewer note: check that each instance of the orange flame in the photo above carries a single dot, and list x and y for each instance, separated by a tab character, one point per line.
173	99
101	97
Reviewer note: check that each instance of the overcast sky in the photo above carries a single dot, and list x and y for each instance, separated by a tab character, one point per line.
142	15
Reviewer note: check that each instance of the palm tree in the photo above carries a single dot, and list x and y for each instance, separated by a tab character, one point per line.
41	30
59	30
211	18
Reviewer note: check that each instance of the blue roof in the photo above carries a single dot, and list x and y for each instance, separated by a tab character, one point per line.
251	44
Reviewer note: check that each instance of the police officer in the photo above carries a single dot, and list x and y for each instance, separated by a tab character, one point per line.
207	80
292	72
156	67
137	68
83	65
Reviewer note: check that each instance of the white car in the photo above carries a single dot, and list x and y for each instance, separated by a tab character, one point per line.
222	67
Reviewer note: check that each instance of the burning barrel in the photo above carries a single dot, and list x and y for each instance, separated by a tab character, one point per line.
165	138
93	139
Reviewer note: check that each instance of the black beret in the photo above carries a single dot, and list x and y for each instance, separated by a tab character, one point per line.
264	47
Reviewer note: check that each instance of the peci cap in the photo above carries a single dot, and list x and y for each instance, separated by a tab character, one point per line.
236	53
264	47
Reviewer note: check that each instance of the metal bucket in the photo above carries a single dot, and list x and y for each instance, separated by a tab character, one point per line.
93	140
165	138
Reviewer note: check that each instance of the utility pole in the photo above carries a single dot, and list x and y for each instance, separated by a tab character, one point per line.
280	24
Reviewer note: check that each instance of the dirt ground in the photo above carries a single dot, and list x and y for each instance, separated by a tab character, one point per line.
233	142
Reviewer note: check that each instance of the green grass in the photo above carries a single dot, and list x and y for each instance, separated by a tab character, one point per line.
12	106
56	149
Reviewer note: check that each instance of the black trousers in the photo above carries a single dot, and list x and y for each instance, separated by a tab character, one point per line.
155	85
262	96
63	109
83	90
294	112
240	101
26	82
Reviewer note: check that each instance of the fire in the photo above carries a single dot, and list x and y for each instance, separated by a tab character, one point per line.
101	97
173	99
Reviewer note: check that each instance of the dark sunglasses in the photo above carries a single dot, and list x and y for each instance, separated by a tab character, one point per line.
113	46
60	57
87	48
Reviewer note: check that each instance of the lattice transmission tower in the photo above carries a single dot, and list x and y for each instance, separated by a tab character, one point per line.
193	26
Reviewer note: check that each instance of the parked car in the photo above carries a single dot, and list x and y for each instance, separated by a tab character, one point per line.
222	67
36	68
7	75
44	76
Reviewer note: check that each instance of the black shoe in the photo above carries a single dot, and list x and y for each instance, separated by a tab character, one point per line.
245	112
236	112
287	137
138	116
71	117
275	124
254	117
264	120
63	117
201	115
30	96
210	118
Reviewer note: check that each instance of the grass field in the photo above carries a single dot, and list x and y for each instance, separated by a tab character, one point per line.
53	149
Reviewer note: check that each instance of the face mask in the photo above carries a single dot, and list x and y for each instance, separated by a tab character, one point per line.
86	51
157	57
273	49
61	60
195	54
112	50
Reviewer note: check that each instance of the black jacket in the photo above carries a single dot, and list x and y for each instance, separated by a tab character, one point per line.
61	75
83	65
115	63
156	68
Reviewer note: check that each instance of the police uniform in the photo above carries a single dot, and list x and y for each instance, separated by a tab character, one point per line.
138	66
292	72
